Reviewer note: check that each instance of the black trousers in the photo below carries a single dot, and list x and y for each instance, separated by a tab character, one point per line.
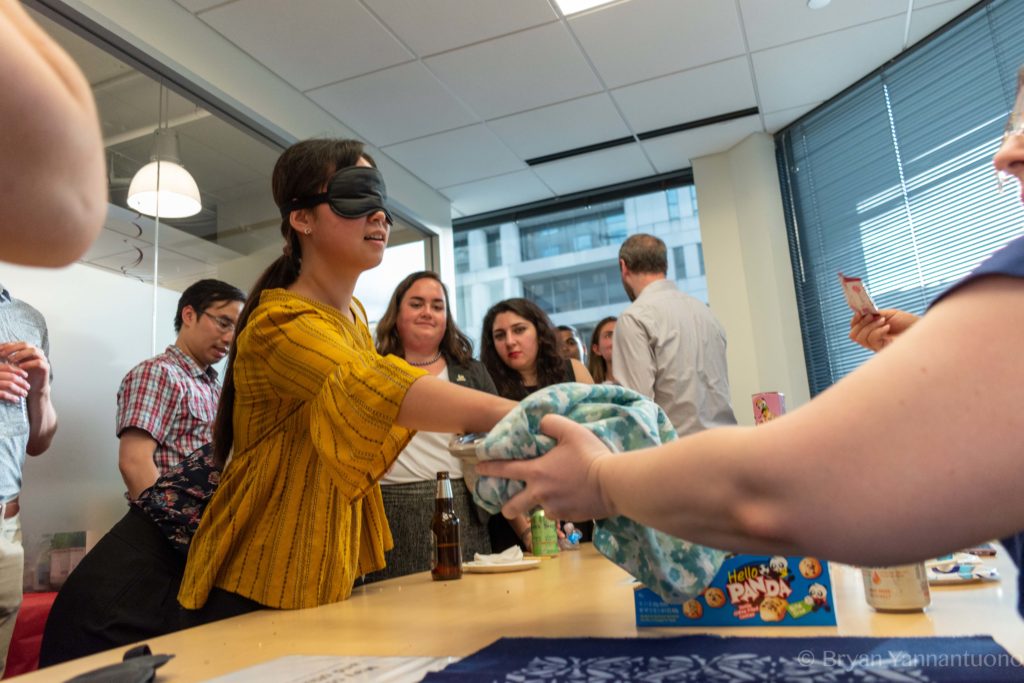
125	590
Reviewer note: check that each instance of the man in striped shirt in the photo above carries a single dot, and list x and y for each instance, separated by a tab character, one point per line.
166	405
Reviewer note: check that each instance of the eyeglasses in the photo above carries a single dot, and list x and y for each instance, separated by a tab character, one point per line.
223	324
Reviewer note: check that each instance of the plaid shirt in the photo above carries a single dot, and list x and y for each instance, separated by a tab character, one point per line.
172	399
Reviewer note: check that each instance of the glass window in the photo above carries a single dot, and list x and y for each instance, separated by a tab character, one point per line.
892	181
567	294
568	260
493	248
672	198
461	241
539	293
570	231
679	256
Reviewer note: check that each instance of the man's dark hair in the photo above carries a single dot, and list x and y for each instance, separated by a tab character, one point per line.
643	253
204	294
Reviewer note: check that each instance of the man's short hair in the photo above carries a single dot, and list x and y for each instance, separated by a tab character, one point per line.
204	294
643	253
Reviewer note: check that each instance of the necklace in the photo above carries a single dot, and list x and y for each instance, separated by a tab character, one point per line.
426	362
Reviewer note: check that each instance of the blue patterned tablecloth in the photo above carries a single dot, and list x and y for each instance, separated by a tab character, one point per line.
717	659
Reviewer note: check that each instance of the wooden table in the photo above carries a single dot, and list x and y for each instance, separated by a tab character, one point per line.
577	594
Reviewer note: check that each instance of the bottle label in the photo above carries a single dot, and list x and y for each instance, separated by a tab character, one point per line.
897	588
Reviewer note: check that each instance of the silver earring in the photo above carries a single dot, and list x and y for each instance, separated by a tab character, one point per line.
309	231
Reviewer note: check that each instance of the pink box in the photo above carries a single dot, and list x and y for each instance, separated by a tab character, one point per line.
768	405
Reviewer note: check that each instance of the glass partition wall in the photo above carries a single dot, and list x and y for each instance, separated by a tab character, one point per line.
236	231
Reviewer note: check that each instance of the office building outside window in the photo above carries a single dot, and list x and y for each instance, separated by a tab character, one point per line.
567	261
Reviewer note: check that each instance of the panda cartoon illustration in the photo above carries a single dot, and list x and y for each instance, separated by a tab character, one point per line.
778	569
817	597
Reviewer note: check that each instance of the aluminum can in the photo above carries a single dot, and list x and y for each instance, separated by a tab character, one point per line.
897	589
544	534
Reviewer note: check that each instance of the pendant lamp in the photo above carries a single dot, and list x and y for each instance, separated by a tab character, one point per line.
163	188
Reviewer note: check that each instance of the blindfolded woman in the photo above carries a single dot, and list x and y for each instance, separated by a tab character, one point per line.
311	414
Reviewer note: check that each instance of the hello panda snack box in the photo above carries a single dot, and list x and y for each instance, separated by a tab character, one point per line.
750	590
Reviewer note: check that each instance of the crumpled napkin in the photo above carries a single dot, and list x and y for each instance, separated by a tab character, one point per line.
506	556
624	420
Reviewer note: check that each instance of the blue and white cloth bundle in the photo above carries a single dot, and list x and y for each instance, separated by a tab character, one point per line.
675	569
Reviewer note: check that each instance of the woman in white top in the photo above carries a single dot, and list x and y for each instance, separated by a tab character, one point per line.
418	326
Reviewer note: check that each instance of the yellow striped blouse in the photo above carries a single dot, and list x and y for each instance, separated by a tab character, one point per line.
298	513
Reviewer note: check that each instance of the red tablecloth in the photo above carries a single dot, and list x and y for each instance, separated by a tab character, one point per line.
28	633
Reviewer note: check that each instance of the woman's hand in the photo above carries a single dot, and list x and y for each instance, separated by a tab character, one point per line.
565	481
875	332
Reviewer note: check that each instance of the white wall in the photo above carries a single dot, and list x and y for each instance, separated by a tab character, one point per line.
750	278
100	326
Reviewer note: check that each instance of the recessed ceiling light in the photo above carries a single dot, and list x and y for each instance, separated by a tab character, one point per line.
817	4
576	6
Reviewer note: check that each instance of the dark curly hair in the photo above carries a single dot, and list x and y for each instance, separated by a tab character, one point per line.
550	362
455	345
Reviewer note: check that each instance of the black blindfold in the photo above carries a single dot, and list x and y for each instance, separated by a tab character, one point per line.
352	192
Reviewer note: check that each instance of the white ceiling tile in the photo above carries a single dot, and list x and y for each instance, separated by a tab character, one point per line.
497	193
777	120
640	39
378	106
568	125
688	96
456	157
439	25
518	72
198	5
597	169
778	22
309	43
815	69
676	151
924	20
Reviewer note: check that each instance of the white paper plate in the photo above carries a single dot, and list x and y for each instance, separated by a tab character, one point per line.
478	568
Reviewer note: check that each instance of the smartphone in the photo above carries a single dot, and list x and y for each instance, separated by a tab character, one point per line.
462	445
857	297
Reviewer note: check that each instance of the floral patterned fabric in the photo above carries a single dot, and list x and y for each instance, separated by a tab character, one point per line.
675	569
177	500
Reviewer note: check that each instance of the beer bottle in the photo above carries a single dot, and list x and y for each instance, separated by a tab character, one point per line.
444	527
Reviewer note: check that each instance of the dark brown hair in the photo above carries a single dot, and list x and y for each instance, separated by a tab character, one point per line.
550	361
455	345
300	171
597	366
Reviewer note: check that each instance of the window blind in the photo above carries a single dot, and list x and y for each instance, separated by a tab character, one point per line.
892	181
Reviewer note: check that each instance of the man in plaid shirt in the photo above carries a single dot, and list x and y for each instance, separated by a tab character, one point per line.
166	405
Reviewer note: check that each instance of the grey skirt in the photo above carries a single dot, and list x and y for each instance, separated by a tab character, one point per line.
409	508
